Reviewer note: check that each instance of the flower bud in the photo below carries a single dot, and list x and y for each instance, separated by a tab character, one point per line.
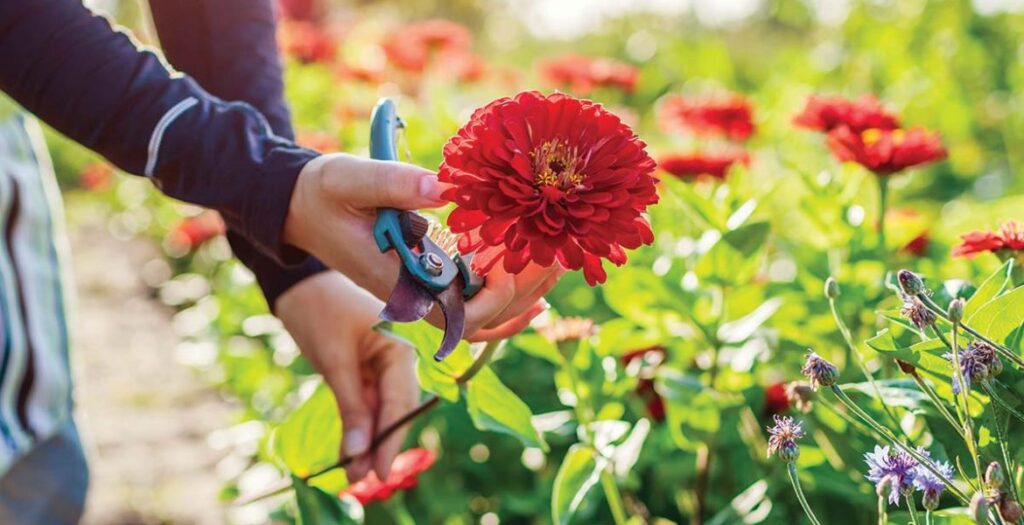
789	452
910	283
956	310
980	373
906	367
1009	509
930	500
979	508
831	288
819	371
995	366
994	476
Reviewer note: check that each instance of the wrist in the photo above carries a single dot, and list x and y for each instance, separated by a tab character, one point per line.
297	225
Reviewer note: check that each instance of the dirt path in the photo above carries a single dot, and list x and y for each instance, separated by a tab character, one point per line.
145	418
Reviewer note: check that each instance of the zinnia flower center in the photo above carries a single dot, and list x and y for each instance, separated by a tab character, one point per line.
556	164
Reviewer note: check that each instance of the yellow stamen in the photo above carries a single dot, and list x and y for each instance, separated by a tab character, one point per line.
556	164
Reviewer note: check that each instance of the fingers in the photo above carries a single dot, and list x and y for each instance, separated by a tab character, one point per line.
399	393
498	292
512	327
531	285
368	183
356	416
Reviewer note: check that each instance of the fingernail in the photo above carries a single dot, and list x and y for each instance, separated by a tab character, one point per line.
431	188
356	442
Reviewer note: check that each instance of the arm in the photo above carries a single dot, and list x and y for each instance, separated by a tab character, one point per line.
93	84
229	47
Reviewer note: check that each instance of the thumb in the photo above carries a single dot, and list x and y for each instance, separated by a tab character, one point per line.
356	419
368	183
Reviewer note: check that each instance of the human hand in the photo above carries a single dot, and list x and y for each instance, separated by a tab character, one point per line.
373	377
331	215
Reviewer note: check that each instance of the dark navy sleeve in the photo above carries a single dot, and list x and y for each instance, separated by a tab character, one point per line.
229	47
95	85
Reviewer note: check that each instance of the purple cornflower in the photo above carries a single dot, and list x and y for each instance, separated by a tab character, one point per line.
783	438
819	371
898	469
931	485
916	312
977	362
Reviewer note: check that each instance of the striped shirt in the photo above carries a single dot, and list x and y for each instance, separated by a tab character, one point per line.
35	381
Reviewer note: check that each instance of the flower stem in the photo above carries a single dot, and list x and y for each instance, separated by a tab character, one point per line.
1003	351
795	480
611	493
1011	479
913	510
883	205
939	405
965	395
991	391
851	351
883	518
927	517
925	462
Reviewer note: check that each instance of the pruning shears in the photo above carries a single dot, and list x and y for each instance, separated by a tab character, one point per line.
430	274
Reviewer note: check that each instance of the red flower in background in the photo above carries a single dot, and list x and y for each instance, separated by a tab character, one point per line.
1010	237
828	113
694	165
96	176
318	140
548	178
776	400
726	114
404	475
307	42
192	232
886	151
582	74
650	359
302	10
412	46
918	246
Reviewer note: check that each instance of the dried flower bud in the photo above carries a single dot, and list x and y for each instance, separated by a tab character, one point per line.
1009	509
782	439
800	395
956	310
906	367
831	288
789	452
979	508
916	312
994	476
910	283
819	371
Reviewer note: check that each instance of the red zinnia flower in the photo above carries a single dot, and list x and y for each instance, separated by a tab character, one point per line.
918	246
304	10
307	42
727	114
651	358
411	46
581	74
404	474
1010	237
694	165
192	232
776	401
886	151
548	178
96	176
828	113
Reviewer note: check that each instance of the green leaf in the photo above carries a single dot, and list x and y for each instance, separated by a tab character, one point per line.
310	437
692	413
1001	317
627	453
538	346
734	258
989	289
494	407
926	355
579	472
317	507
436	377
741	329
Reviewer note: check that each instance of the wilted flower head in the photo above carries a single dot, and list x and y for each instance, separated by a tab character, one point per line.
548	178
916	312
828	113
931	485
978	362
726	114
819	371
783	438
404	474
699	164
565	329
800	395
1008	240
581	74
886	151
899	468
